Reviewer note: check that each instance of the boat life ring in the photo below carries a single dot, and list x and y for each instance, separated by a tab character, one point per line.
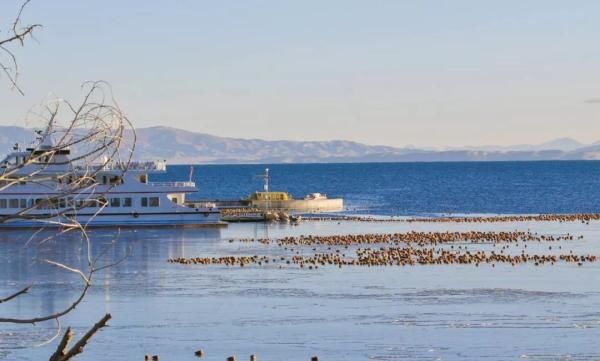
135	214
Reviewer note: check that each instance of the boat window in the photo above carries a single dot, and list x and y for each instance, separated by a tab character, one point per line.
143	178
154	202
86	203
51	203
127	202
23	203
3	203
116	180
38	203
144	202
84	181
115	202
13	203
10	161
62	203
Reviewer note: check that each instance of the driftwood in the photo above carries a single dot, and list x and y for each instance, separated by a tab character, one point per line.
62	354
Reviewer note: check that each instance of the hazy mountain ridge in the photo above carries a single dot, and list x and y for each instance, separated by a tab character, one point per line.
181	146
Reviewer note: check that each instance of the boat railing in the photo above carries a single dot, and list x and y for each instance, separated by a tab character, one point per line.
172	184
158	165
151	165
209	205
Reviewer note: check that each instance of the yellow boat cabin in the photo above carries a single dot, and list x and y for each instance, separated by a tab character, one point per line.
269	196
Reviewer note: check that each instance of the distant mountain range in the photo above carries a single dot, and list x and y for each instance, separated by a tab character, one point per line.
185	147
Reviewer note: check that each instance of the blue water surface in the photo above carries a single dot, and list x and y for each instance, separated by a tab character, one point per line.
416	188
283	312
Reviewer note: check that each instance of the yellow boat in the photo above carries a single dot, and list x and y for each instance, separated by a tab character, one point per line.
313	202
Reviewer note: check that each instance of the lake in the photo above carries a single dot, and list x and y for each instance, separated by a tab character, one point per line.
278	311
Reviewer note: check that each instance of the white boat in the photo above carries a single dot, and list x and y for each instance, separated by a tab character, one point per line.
314	196
37	191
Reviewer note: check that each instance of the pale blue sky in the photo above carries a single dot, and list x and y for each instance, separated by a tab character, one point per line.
427	73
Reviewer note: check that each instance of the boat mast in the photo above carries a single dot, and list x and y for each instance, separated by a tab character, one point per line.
267	197
46	137
266	180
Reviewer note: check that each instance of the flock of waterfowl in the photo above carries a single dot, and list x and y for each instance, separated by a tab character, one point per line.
200	354
418	238
401	249
580	217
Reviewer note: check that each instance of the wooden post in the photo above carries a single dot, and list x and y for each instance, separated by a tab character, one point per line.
155	358
314	358
231	358
199	353
147	357
252	357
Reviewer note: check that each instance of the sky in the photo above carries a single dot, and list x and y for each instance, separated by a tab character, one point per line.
420	73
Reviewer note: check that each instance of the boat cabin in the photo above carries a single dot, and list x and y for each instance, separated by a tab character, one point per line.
269	196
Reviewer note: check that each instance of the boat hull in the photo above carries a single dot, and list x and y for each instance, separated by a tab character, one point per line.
301	205
180	219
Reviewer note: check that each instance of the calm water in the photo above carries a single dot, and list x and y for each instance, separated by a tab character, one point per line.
421	313
418	188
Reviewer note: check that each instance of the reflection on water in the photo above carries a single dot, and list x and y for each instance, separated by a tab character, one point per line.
387	313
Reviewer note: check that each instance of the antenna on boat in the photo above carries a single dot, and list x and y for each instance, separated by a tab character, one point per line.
265	178
45	137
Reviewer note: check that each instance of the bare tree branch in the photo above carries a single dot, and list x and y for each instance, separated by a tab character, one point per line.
117	262
58	329
62	354
61	350
18	35
70	269
15	295
95	130
53	316
97	127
